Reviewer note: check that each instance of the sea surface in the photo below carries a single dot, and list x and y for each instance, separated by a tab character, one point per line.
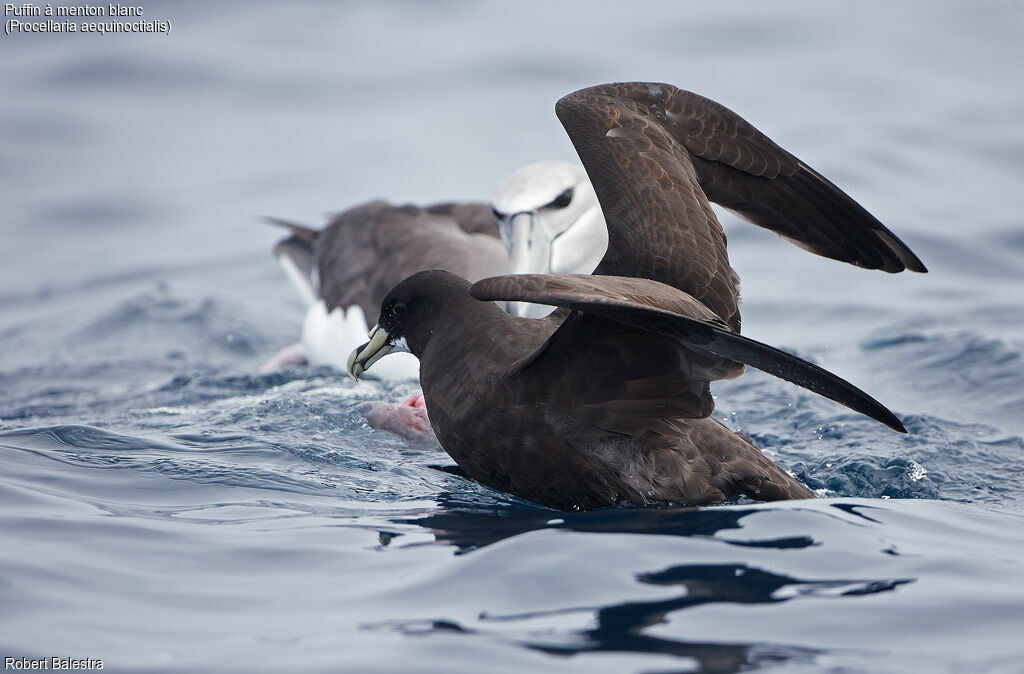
165	507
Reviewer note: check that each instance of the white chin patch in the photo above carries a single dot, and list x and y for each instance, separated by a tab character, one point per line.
400	346
330	338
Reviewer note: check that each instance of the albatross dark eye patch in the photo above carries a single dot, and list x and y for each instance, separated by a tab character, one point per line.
562	200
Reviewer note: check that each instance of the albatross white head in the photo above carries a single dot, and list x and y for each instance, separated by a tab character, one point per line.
550	222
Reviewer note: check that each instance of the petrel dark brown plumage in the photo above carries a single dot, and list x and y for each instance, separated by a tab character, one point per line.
610	405
607	400
657	154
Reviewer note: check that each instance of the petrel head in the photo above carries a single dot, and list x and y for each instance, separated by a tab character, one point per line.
409	315
550	222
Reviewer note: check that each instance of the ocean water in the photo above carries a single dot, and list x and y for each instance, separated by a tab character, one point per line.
165	508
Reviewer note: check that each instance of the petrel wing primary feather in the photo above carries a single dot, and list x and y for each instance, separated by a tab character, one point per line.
656	155
660	223
657	308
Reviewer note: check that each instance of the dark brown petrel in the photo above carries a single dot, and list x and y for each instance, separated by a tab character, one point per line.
607	400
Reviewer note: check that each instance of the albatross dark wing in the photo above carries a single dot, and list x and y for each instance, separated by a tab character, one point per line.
365	251
653	151
654	307
471	217
298	247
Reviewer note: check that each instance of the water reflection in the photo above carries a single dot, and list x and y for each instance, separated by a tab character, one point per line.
621	628
707	657
468	524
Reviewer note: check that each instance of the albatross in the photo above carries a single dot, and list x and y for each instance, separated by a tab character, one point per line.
607	400
542	218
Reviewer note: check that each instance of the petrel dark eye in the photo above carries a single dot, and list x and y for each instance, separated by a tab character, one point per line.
498	215
398	308
563	199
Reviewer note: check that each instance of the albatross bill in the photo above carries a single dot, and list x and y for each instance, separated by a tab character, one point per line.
545	213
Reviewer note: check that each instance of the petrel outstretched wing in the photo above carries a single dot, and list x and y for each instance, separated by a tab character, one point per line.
653	307
657	154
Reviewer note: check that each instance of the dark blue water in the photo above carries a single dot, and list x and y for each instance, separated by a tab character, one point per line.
165	508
